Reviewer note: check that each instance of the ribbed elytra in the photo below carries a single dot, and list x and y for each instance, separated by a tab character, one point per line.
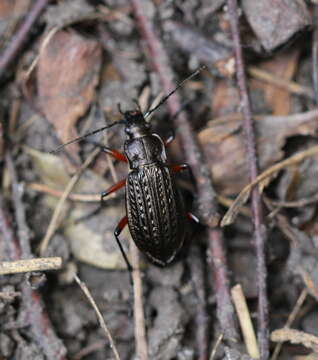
155	212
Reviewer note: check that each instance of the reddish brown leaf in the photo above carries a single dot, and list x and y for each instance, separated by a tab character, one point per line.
224	147
67	74
284	66
9	8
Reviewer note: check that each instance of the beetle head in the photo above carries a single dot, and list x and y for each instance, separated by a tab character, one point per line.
136	124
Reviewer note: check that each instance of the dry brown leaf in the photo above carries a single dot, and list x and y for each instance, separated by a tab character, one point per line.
225	149
67	74
15	8
225	99
231	214
295	337
283	66
91	240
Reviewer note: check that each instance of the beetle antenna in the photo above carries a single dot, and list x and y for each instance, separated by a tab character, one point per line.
137	104
119	109
165	98
85	136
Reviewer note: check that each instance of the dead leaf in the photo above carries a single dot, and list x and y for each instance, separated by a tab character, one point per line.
225	149
295	337
91	240
243	196
283	66
13	8
225	99
67	74
11	12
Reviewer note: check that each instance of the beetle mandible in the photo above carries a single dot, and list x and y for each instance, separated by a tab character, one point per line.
155	212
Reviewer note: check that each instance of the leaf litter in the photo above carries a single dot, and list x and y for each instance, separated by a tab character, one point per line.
94	55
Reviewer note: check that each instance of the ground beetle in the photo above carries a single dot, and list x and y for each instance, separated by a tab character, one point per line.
154	208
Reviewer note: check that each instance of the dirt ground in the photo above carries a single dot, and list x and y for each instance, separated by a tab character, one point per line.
64	68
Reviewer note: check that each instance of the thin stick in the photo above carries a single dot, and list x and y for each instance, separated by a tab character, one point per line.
21	35
244	194
257	208
288	85
296	203
194	157
23	229
28	265
215	347
196	264
292	316
245	321
315	53
140	328
58	209
41	326
99	316
42	188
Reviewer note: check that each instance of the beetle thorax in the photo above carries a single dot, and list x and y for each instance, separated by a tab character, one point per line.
145	150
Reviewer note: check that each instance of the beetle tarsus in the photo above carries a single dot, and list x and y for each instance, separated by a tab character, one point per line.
122	223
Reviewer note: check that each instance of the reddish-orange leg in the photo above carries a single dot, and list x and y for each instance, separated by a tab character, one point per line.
122	223
120	227
175	169
178	168
114	153
192	217
113	188
169	139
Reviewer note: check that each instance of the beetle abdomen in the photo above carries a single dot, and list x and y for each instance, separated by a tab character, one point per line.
155	212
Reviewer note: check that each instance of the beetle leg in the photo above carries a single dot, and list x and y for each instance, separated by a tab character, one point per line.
113	188
192	217
122	223
112	152
178	168
170	138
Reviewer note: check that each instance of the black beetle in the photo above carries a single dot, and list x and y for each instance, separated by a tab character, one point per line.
154	208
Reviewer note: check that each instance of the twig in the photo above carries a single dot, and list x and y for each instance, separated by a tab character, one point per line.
23	229
289	85
21	35
310	341
224	309
87	350
140	328
28	265
215	347
99	316
73	197
296	203
290	320
228	202
245	321
244	194
40	324
257	209
57	211
197	275
315	53
194	157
